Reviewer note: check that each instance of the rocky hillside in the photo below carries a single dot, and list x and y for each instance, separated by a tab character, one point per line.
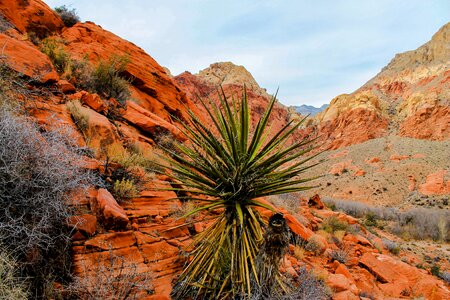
231	78
409	97
140	232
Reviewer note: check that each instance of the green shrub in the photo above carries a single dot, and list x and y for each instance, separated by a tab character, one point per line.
435	270
107	80
125	189
80	117
333	224
371	219
68	16
134	156
57	55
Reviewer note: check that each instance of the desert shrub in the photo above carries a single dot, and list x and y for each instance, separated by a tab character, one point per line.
333	224
7	99
416	223
445	276
38	170
184	210
57	55
392	246
305	287
371	219
114	278
4	23
289	202
133	156
107	80
11	286
299	252
435	270
80	117
340	255
69	16
125	189
310	287
314	245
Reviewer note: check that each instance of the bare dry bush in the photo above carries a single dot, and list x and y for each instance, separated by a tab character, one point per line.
115	279
38	170
4	24
305	287
341	255
12	287
392	246
416	223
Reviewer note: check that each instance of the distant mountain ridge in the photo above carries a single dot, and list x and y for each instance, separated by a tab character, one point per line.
305	109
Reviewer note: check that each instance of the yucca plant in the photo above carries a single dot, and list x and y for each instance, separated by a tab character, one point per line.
228	165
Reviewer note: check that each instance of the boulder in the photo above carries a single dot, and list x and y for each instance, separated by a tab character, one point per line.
24	58
94	101
86	223
32	17
150	122
65	87
108	210
436	184
297	227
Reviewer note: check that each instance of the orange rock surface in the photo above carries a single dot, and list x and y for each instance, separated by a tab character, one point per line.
436	184
32	16
24	58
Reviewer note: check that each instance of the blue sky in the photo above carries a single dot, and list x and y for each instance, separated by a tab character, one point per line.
312	50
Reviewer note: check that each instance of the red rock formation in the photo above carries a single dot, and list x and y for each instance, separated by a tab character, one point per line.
24	58
435	184
353	127
31	16
154	89
108	210
411	93
206	85
432	123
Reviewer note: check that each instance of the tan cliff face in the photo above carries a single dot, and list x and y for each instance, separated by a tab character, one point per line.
410	95
146	230
225	73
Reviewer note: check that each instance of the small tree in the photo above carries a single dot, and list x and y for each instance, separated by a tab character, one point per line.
68	16
232	169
